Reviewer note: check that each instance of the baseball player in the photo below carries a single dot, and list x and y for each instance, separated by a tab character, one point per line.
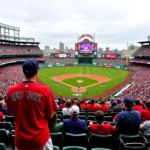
32	105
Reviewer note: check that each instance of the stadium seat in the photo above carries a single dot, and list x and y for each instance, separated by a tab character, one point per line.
90	113
108	118
6	125
82	113
60	117
57	139
76	140
59	112
100	149
83	117
4	137
101	141
12	140
113	114
132	142
91	117
106	114
10	119
3	146
74	148
147	136
88	122
66	116
55	148
58	120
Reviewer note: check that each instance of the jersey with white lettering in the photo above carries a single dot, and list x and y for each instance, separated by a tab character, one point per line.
32	105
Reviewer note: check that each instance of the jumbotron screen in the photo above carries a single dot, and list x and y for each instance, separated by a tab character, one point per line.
86	48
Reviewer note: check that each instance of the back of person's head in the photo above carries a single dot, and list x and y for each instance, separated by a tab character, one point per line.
68	103
128	102
78	104
137	102
102	102
74	111
147	103
99	115
92	101
118	101
30	68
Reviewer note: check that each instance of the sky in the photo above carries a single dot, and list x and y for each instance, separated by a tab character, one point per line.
114	22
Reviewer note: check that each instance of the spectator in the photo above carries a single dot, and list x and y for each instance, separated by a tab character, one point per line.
103	107
66	111
145	114
145	127
100	127
128	121
2	117
117	108
32	105
74	124
91	106
137	106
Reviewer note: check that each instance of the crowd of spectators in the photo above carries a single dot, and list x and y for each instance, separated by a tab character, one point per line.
143	51
138	60
110	61
20	50
59	60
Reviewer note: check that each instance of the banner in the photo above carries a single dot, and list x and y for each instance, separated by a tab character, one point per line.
76	47
112	56
62	55
95	47
56	55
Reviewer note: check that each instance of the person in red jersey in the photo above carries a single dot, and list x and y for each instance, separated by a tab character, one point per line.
91	106
103	107
100	127
137	106
145	114
32	105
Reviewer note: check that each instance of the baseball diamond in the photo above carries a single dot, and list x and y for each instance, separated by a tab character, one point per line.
95	80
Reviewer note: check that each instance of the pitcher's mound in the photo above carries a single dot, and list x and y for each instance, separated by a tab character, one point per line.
75	89
79	81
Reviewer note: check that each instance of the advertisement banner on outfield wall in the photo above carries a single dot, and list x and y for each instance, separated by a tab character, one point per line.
60	64
62	55
56	55
99	55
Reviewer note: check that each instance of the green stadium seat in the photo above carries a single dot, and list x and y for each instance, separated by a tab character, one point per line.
91	117
60	117
57	139
83	117
101	141
82	113
90	113
100	149
74	148
133	142
108	118
76	140
58	120
55	148
66	116
106	114
6	125
10	119
113	114
3	146
4	138
147	136
12	140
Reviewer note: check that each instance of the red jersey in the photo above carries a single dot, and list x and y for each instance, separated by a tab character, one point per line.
103	129
116	117
91	107
32	105
103	108
145	115
1	116
82	106
138	108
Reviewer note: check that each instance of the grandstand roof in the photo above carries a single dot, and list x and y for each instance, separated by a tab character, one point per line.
18	42
144	42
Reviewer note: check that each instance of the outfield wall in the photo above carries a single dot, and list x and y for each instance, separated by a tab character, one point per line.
116	66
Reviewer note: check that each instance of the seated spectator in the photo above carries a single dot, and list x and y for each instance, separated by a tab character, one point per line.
74	124
145	114
82	105
117	108
137	106
145	127
2	117
128	121
100	127
3	107
66	111
91	106
103	107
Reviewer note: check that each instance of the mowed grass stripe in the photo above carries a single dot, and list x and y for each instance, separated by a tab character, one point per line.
116	76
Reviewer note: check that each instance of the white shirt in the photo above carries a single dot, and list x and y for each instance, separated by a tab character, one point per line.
66	111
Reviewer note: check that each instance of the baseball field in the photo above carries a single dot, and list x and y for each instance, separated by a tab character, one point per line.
85	81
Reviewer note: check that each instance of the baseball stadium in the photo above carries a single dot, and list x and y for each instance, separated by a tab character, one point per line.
82	76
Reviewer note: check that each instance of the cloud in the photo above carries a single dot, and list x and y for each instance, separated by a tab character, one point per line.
115	23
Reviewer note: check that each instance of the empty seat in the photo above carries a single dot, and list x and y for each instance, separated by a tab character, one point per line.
147	136
91	117
76	140
83	117
55	148
106	114
82	113
91	113
74	148
132	142
57	139
100	149
108	118
66	116
10	119
3	146
12	141
113	114
6	125
4	137
101	141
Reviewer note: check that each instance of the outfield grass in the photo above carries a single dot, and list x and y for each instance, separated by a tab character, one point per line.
115	75
86	81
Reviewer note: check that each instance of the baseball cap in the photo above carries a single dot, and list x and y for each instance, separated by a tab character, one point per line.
30	67
128	101
119	101
74	110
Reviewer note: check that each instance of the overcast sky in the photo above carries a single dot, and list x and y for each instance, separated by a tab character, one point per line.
115	22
